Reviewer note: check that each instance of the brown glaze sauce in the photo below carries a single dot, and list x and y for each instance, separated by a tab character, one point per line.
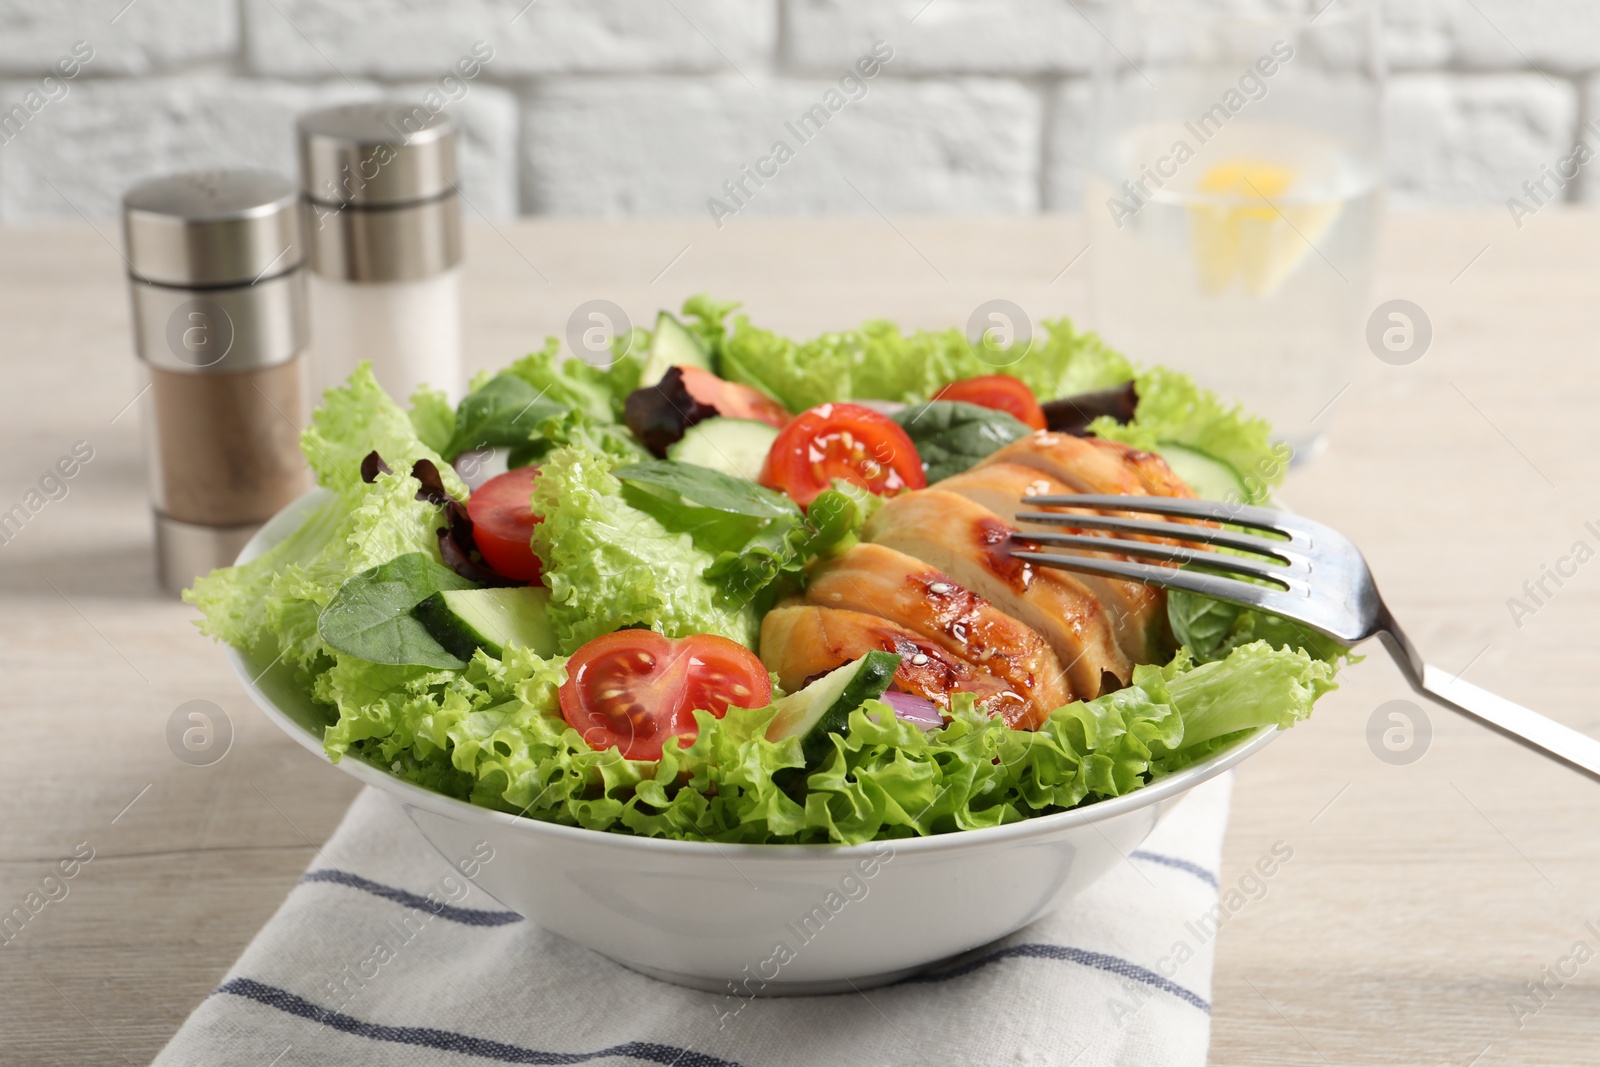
959	614
994	538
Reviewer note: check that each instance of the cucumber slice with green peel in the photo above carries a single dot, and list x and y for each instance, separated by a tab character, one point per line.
672	346
823	708
733	446
465	620
1209	477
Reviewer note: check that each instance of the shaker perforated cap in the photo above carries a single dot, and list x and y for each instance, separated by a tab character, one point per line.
376	153
212	228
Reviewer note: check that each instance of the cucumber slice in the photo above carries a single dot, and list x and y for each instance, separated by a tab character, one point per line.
672	346
823	708
465	620
733	446
1208	476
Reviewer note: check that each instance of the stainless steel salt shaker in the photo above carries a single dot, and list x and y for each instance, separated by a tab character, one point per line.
383	225
216	275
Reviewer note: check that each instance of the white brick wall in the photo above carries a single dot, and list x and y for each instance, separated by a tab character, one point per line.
1459	139
76	156
1011	37
659	146
144	38
617	107
397	39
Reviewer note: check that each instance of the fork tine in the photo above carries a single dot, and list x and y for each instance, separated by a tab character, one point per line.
1180	507
1255	568
1211	585
1175	531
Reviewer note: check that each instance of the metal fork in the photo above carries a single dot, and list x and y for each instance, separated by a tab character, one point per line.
1317	578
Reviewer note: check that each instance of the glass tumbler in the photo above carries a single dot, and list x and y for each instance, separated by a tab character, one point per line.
1233	195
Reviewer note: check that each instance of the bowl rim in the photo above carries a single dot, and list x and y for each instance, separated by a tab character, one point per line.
286	520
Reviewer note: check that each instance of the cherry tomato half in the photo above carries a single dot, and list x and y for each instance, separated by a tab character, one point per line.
633	689
1001	392
842	441
503	522
733	399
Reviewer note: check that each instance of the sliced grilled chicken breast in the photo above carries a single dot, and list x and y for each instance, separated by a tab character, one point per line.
908	592
1091	465
800	641
1137	612
1157	478
970	543
1079	462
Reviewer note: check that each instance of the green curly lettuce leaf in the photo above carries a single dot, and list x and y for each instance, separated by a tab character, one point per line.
879	362
704	317
493	734
356	418
277	597
1212	629
609	564
432	417
598	392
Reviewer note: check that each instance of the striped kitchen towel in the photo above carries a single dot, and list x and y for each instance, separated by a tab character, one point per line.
383	956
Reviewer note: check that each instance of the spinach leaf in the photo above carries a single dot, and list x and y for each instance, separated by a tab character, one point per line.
370	616
760	538
504	412
952	436
709	488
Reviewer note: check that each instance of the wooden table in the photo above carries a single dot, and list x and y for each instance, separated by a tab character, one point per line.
1420	899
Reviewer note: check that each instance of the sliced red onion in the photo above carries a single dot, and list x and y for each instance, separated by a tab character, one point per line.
919	711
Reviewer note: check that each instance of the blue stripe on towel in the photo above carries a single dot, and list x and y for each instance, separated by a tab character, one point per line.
449	1041
469	916
1183	865
1098	960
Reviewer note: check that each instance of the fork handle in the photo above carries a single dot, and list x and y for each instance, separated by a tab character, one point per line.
1561	743
1545	736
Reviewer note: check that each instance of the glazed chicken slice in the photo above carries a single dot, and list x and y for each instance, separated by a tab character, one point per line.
1157	478
1092	465
801	641
1137	612
1079	462
971	544
909	593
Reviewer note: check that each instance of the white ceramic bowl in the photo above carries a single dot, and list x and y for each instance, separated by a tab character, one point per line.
770	919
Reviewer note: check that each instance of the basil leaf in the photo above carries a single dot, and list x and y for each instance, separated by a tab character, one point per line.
503	413
370	616
952	436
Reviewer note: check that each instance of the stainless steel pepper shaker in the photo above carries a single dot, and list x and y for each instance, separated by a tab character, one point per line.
383	225
216	273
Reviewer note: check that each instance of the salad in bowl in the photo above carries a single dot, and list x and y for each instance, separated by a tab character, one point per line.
737	588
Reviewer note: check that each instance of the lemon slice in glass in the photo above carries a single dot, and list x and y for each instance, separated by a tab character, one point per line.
1251	232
